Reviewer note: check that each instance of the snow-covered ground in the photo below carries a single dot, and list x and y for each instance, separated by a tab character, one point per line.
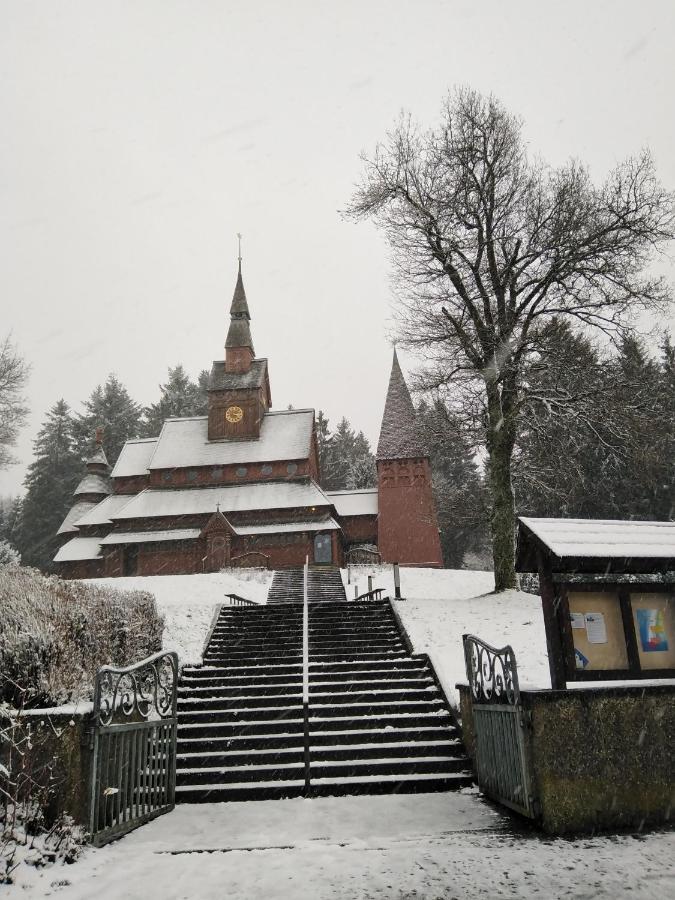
421	846
188	602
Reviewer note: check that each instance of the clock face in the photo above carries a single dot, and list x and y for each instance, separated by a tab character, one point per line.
234	414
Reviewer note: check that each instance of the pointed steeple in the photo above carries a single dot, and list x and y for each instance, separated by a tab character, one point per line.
400	437
239	350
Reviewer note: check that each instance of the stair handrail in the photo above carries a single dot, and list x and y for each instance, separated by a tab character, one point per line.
238	600
305	671
371	595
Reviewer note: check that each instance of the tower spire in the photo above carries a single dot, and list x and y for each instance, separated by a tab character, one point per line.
239	350
399	435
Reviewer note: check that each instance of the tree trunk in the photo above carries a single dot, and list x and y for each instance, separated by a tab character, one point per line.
500	442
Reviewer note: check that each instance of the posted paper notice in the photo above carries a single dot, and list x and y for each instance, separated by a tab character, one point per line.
596	630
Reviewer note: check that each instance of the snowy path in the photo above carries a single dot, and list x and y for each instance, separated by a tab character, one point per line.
425	846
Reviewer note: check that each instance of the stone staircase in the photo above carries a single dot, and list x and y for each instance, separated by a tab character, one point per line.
377	720
324	583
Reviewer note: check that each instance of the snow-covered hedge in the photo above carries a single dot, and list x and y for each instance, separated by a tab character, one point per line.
55	634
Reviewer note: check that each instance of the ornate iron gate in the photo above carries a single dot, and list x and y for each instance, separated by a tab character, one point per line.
133	777
501	759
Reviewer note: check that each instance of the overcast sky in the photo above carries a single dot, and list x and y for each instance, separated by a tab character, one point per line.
137	138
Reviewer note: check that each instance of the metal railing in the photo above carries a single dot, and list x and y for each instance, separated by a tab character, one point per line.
133	775
305	673
376	594
236	600
499	723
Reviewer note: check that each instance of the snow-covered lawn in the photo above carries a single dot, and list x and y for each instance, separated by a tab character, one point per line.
423	846
188	602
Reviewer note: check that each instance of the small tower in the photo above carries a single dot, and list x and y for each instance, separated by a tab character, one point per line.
239	389
407	527
92	489
239	353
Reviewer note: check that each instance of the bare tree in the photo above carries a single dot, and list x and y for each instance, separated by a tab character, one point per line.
13	411
489	245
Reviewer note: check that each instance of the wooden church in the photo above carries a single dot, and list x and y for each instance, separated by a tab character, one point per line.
240	487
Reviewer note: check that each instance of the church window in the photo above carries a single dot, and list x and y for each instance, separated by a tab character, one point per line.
267	469
166	476
292	468
216	474
192	475
241	471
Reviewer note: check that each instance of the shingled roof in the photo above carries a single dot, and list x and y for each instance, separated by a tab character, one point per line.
399	435
222	380
239	333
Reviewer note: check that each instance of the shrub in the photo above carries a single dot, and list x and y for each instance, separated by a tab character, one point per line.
55	635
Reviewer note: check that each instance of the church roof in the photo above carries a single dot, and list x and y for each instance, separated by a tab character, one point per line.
220	380
140	537
77	510
239	302
134	458
103	513
93	483
151	502
79	548
399	434
284	435
98	457
354	503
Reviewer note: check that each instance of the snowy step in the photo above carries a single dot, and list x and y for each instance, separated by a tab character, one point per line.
223	729
214	703
217	793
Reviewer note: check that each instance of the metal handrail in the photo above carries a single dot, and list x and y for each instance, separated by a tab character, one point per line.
371	595
237	600
305	671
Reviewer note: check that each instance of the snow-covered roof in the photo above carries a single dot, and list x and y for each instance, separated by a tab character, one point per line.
354	503
137	537
134	458
610	538
98	457
222	380
76	511
102	513
400	435
79	548
92	483
287	527
286	434
195	501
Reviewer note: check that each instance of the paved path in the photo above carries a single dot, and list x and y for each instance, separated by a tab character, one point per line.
424	846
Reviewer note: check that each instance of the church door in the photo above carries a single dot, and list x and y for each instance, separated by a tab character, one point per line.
323	549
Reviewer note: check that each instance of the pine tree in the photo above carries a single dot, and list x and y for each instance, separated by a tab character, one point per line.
180	397
50	482
345	458
109	406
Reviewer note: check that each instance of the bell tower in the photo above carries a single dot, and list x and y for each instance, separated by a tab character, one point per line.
407	528
238	390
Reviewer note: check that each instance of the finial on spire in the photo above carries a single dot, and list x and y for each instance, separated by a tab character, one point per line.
218	506
239	239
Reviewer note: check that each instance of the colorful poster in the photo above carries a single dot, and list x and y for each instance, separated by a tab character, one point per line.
652	628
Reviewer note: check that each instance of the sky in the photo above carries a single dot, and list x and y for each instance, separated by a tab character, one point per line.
137	138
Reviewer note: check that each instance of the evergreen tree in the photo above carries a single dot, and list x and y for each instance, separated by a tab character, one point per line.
180	397
459	491
345	458
10	519
111	407
50	482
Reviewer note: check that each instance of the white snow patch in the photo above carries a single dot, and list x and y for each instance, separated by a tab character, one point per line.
188	602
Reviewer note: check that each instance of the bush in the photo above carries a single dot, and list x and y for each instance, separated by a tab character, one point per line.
55	635
8	555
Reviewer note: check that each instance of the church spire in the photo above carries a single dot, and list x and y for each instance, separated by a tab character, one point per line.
239	350
399	434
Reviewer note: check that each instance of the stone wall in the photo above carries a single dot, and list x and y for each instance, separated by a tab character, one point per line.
58	758
602	758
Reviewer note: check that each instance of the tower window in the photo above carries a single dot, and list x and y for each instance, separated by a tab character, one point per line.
241	471
267	469
292	468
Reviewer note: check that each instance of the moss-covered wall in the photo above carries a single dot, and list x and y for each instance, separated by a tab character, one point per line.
55	755
603	757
